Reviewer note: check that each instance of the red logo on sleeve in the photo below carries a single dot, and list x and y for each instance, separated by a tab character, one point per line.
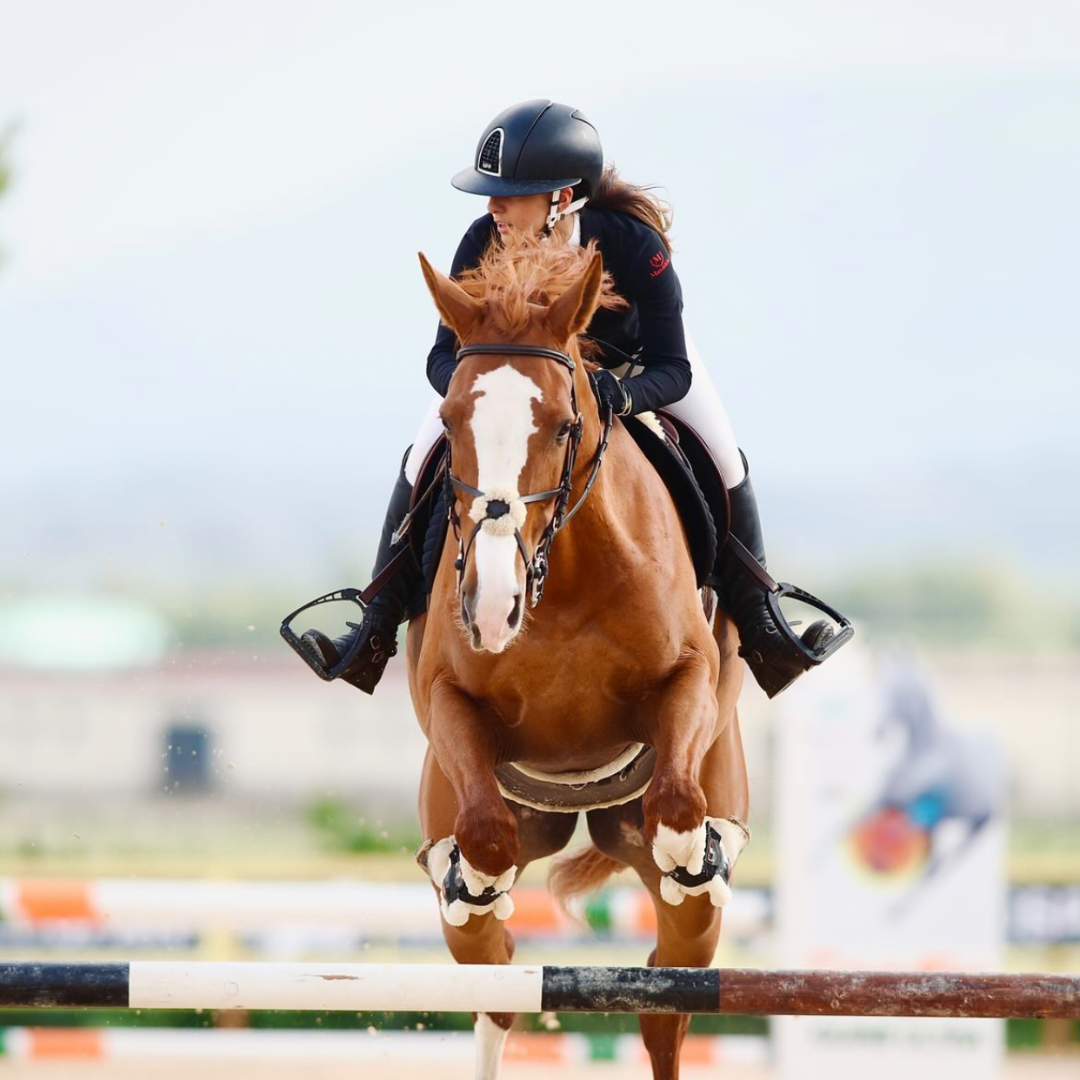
660	262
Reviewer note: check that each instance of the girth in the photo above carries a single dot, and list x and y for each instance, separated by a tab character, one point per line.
620	781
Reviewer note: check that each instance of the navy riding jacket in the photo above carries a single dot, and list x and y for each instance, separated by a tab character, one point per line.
650	329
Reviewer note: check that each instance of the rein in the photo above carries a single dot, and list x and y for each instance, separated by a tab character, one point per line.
495	509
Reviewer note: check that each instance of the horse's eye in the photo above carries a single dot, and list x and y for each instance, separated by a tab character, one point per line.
446	429
564	432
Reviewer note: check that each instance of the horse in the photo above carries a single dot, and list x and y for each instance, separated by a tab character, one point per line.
942	778
619	664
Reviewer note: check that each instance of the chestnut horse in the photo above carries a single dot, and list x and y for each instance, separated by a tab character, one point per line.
619	655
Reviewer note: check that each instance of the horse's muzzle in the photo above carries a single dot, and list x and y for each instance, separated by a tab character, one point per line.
493	622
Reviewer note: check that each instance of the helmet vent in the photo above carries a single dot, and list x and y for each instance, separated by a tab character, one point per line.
490	160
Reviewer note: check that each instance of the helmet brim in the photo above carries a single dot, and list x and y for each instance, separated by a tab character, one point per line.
478	183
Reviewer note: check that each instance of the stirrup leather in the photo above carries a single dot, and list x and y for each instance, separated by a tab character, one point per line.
362	598
775	591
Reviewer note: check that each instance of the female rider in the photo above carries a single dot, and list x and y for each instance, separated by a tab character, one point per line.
541	166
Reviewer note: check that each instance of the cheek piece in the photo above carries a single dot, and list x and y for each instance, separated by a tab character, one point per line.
555	215
503	512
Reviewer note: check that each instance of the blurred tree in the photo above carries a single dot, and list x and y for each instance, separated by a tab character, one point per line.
968	604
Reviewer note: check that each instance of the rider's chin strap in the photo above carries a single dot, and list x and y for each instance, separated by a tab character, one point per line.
555	215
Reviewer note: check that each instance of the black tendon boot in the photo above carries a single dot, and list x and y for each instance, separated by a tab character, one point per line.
374	640
776	657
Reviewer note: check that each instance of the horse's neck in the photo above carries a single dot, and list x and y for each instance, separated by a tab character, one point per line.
922	734
598	529
914	710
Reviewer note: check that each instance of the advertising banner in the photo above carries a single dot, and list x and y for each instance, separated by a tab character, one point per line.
889	856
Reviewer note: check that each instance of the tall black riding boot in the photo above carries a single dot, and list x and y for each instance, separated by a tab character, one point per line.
374	640
775	660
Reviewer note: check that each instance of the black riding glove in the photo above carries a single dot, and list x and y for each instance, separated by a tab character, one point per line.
613	393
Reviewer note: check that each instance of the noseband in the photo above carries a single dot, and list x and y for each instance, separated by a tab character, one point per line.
496	509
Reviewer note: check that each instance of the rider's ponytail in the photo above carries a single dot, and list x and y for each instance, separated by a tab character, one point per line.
615	193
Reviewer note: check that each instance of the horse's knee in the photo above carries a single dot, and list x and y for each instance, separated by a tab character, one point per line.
677	802
488	841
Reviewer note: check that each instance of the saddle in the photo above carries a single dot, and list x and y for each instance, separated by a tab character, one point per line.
694	482
680	458
428	524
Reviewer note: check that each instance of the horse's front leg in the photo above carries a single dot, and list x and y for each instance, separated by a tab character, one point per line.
473	833
471	849
694	851
447	815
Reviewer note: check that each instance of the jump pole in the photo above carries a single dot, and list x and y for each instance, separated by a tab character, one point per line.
512	988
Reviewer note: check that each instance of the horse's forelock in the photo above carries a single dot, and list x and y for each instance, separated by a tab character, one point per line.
520	279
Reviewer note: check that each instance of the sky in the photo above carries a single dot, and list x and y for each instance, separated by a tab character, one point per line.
213	326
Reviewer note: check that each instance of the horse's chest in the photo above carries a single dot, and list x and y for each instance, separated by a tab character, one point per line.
610	656
564	724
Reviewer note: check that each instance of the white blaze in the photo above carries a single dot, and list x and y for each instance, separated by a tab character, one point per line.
502	422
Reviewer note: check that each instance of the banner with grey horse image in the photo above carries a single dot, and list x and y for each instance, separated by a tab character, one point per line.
890	838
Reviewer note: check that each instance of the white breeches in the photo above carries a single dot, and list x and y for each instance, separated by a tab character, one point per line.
702	409
430	429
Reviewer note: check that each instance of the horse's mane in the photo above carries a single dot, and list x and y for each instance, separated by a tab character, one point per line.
528	272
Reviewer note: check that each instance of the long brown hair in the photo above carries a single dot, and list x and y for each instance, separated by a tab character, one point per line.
615	193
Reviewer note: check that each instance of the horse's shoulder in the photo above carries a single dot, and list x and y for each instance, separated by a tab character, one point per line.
637	479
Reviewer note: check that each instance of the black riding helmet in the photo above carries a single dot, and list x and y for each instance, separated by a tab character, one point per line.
535	147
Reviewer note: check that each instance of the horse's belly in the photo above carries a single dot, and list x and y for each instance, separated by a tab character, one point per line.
580	760
570	738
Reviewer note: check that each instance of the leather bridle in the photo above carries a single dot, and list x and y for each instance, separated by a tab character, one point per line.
536	566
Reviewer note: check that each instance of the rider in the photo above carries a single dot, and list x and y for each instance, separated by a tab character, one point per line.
542	169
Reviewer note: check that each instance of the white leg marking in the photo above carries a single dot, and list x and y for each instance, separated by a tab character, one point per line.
687	849
671	848
490	1040
458	912
502	422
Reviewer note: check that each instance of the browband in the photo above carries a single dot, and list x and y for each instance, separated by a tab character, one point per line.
516	350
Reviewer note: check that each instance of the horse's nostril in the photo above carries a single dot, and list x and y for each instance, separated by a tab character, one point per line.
475	636
465	612
515	612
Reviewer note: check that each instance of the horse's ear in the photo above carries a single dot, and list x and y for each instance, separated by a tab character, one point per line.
572	311
457	309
